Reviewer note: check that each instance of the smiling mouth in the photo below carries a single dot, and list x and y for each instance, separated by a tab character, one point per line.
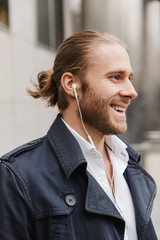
118	108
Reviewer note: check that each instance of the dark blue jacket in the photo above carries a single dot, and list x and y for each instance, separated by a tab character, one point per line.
46	193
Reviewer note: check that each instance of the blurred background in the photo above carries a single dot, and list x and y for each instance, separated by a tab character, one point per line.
31	30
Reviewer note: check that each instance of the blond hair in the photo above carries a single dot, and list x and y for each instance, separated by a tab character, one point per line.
74	56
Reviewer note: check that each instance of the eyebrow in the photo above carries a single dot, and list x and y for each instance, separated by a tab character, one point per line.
118	72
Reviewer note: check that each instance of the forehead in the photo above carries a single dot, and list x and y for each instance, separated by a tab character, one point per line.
110	56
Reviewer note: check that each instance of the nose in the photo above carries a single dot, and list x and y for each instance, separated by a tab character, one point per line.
128	90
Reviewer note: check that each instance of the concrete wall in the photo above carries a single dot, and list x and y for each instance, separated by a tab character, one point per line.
21	58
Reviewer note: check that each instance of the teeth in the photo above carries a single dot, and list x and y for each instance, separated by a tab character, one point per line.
118	108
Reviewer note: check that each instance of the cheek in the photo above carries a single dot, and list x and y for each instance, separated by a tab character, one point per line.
107	97
107	90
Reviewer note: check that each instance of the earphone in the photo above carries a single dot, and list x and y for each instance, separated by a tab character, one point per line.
74	89
74	85
81	118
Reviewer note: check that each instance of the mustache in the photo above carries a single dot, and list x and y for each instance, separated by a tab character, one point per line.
126	101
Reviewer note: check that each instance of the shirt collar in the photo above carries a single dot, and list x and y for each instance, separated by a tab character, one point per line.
115	144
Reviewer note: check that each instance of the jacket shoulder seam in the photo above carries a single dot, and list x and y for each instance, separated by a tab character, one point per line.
25	147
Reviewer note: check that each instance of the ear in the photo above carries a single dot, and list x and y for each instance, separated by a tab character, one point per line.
67	80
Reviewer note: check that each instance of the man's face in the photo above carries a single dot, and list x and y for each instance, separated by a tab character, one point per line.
108	89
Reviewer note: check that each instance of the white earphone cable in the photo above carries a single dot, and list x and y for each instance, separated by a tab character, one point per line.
81	118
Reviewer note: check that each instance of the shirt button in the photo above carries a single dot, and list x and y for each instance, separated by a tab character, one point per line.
70	200
95	154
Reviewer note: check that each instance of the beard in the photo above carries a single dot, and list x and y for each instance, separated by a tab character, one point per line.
96	113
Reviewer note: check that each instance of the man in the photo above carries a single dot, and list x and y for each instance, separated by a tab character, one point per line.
80	181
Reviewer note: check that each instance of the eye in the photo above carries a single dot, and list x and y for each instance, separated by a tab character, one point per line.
116	77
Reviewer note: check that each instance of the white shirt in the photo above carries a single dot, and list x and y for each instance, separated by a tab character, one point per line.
119	160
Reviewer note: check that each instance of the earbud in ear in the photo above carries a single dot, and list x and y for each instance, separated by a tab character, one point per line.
74	86
74	89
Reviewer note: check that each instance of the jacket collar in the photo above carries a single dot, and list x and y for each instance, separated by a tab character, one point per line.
65	146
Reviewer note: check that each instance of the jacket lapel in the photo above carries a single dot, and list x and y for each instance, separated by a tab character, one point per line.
143	191
97	201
